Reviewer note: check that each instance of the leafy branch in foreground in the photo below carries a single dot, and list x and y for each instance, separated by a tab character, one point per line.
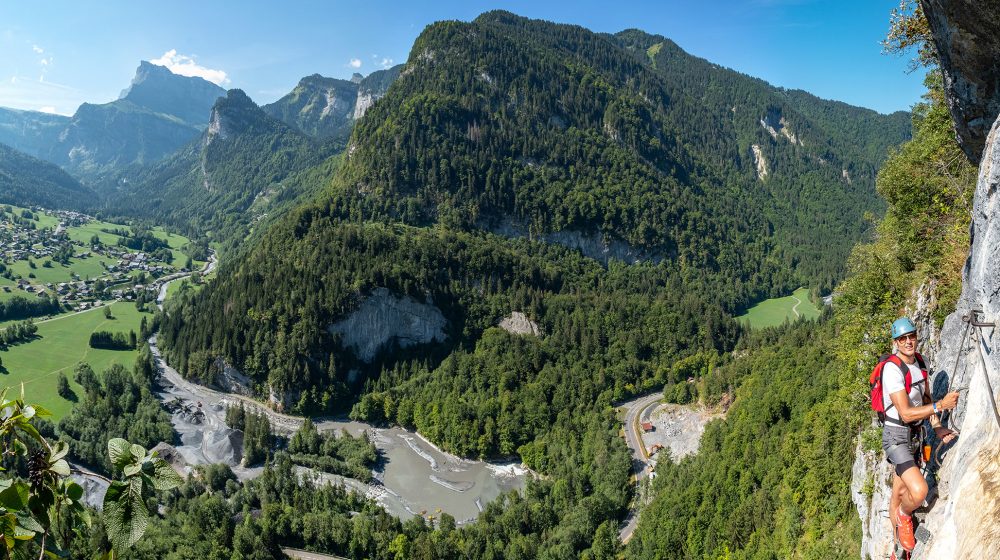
37	495
125	512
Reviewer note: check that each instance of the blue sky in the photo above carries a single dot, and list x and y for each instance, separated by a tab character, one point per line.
55	58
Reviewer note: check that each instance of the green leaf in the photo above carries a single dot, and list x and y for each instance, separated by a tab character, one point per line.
28	412
5	484
138	451
41	411
59	450
74	491
30	523
15	497
120	452
30	430
133	469
125	513
7	524
60	467
164	476
84	515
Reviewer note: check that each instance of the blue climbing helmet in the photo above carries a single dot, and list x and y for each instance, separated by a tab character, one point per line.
902	326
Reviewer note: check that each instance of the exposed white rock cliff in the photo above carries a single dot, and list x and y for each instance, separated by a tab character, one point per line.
364	102
232	380
215	128
383	318
759	161
519	323
776	125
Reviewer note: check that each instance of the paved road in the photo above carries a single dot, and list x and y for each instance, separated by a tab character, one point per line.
637	411
166	280
297	554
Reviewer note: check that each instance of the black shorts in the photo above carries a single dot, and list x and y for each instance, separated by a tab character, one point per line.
901	446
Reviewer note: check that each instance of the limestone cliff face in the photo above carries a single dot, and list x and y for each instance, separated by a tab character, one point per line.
327	107
965	501
384	318
594	245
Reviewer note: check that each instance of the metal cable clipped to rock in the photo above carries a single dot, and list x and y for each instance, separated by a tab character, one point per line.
973	320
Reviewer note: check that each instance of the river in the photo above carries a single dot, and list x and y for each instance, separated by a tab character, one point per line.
413	476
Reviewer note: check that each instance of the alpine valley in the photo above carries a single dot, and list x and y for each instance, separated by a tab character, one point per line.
479	260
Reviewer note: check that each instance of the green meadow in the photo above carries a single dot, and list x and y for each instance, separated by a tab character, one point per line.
60	344
775	311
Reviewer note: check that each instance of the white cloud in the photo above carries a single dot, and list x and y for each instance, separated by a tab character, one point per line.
355	63
37	49
185	65
48	109
386	62
13	79
45	61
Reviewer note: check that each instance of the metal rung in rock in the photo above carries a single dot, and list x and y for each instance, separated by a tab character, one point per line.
922	534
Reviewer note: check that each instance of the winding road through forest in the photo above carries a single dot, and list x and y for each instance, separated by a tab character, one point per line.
636	411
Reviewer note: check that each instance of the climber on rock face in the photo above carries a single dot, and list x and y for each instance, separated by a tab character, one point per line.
904	414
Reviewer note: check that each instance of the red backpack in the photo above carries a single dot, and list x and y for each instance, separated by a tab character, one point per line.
875	382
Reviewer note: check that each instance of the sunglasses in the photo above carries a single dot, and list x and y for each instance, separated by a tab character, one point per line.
905	337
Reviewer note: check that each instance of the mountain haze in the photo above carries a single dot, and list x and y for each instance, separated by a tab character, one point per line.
28	181
157	114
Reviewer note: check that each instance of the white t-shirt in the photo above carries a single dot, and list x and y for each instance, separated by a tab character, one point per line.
893	381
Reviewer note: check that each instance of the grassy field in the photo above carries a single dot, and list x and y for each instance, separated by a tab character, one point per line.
89	267
773	312
60	344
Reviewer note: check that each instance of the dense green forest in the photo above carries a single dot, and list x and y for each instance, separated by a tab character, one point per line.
118	403
595	146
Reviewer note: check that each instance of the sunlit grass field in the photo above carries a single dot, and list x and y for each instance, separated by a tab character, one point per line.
60	344
775	311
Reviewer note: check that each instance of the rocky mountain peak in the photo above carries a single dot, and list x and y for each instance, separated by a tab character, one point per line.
233	114
158	89
356	78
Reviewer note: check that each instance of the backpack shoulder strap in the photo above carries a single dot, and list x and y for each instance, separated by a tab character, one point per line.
904	369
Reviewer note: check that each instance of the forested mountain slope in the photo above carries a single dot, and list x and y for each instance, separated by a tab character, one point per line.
27	181
222	182
781	471
821	156
551	127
